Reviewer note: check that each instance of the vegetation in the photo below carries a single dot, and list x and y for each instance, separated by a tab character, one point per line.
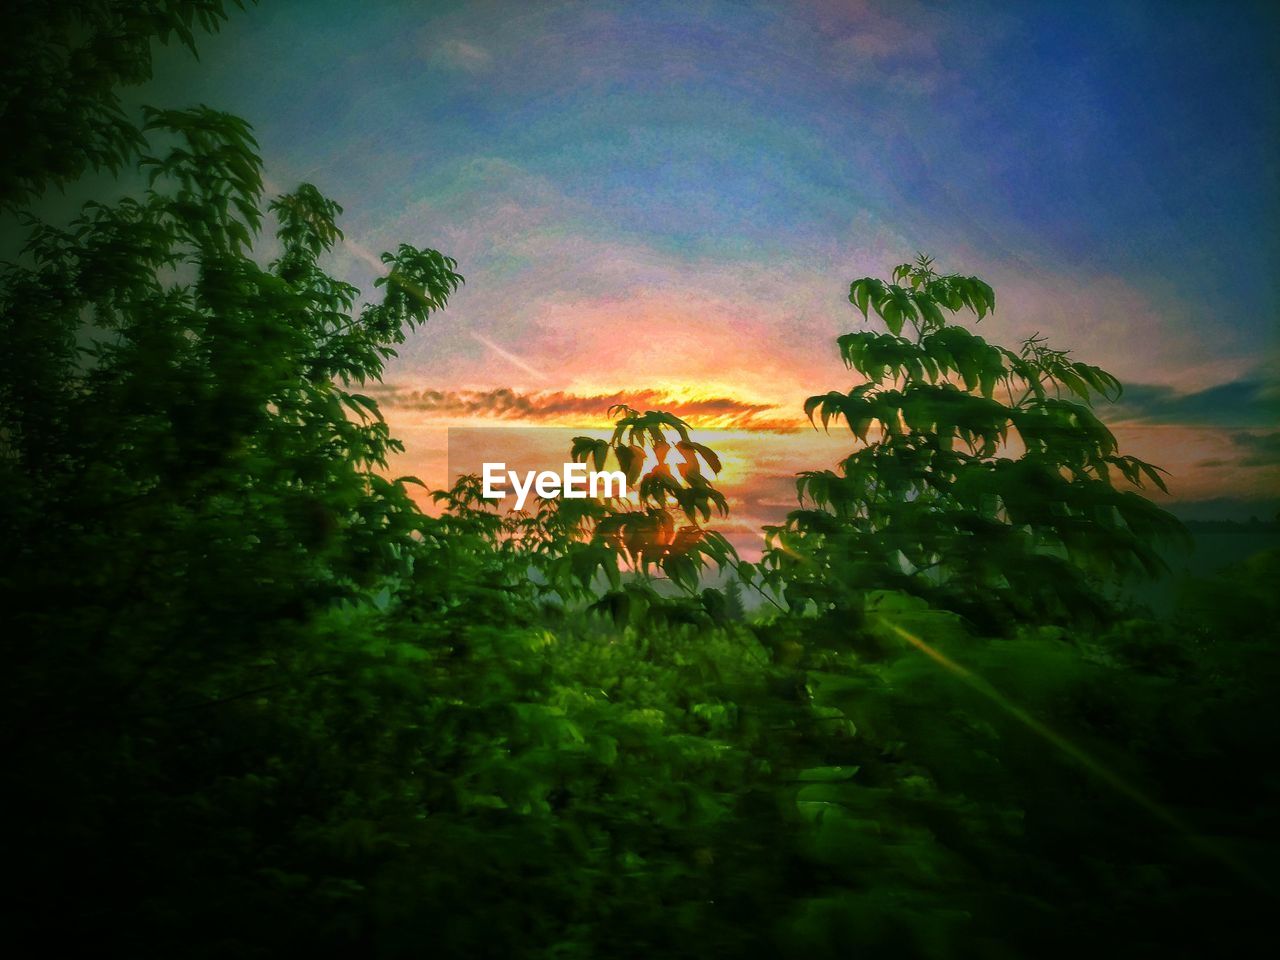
258	704
935	506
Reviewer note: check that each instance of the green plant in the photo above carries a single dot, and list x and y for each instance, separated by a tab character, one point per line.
984	481
61	69
256	704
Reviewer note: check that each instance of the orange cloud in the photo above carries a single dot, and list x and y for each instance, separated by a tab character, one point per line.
560	407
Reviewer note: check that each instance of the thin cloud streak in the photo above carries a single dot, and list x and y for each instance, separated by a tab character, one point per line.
375	262
508	356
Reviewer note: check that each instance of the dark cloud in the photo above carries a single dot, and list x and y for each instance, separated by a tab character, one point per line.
505	404
1240	403
1262	449
1257	450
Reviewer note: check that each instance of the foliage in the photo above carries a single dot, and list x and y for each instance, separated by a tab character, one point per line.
61	65
257	704
176	446
934	503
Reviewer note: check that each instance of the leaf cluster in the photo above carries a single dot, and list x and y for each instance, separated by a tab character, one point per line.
983	479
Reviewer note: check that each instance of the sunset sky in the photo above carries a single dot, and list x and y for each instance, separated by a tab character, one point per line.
667	201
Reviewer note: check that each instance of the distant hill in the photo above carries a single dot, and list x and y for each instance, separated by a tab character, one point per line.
1216	544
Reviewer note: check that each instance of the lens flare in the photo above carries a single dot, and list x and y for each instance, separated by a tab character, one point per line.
1089	763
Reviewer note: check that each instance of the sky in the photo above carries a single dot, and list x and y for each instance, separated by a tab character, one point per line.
667	201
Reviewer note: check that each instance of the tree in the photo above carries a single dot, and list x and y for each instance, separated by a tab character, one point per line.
735	609
180	456
191	486
61	67
983	482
